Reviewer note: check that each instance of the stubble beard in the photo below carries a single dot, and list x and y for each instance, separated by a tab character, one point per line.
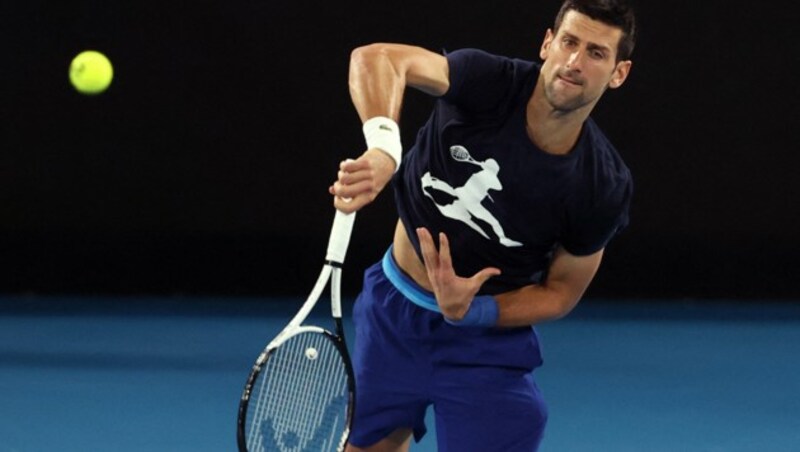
561	102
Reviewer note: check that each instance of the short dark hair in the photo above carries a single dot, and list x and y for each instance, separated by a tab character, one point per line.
617	13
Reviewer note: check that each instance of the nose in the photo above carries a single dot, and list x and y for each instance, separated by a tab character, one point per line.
574	60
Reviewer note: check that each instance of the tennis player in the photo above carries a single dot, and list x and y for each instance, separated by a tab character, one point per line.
506	201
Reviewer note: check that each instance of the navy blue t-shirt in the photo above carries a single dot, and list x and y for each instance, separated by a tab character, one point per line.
475	175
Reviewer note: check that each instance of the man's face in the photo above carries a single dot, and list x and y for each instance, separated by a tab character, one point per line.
580	62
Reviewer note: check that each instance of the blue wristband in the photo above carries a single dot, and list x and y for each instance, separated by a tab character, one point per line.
483	311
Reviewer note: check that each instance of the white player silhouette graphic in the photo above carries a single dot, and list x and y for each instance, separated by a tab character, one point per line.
466	204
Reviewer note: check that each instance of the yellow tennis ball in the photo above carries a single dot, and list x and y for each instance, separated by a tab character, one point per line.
91	72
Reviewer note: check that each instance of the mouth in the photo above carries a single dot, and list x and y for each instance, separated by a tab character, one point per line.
569	81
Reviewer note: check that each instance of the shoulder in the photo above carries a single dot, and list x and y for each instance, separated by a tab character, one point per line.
605	184
598	208
481	81
477	59
606	162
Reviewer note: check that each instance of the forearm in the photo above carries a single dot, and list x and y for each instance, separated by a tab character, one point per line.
379	74
535	304
567	280
377	82
376	85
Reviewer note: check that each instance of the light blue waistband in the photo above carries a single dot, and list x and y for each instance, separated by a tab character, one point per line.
406	285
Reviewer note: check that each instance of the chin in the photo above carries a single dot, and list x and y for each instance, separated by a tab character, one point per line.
565	104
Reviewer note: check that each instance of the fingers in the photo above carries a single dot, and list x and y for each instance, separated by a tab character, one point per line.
444	252
352	171
484	275
429	254
453	293
360	180
439	263
351	190
351	166
347	205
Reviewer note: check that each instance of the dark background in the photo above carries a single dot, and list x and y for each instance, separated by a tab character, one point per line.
204	169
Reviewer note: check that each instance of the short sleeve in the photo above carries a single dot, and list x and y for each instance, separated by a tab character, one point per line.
592	223
479	81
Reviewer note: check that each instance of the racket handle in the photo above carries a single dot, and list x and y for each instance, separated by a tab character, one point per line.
340	236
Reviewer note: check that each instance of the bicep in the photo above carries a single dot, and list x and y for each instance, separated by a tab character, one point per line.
428	72
571	275
568	277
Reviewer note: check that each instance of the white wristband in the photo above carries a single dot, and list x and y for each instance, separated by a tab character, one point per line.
383	133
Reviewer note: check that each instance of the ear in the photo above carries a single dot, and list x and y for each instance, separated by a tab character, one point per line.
545	49
620	74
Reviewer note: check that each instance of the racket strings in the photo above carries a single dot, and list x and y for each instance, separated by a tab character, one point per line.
301	398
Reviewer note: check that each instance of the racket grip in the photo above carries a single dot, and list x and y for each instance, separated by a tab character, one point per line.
340	236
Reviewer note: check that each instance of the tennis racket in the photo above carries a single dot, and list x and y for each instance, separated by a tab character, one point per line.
300	393
461	154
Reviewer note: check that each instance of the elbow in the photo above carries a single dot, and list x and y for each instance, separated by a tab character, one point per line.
366	55
561	310
555	310
366	61
567	293
359	55
562	304
567	305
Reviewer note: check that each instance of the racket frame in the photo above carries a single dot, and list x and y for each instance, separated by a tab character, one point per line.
331	272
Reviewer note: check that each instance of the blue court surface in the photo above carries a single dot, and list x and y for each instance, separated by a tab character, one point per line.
165	374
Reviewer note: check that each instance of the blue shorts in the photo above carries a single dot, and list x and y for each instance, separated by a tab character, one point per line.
406	357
